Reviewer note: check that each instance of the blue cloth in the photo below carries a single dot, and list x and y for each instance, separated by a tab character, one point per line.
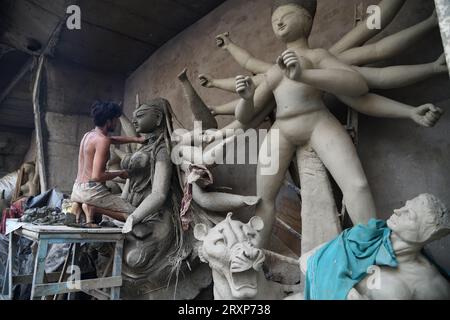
342	263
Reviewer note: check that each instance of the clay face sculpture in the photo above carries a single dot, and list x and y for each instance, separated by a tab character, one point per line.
421	220
232	250
290	22
148	118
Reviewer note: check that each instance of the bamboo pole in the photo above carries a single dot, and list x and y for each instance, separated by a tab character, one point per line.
40	159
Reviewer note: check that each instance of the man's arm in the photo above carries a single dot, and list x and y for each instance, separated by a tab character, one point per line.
118	140
361	34
242	57
99	173
331	75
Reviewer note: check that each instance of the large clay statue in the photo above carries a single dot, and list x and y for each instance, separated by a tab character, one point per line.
297	80
232	250
421	221
153	229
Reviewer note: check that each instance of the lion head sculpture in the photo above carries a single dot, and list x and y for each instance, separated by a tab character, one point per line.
232	250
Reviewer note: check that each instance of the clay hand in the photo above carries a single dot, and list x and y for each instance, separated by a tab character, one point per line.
440	65
245	87
223	40
129	224
206	80
290	64
427	115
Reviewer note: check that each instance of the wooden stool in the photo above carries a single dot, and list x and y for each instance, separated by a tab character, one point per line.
46	235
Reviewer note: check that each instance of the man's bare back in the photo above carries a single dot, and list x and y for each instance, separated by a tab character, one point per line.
87	154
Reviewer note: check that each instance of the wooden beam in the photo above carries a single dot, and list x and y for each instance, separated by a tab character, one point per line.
40	158
48	289
27	67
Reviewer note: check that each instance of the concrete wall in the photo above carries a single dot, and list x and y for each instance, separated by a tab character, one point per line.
70	91
400	158
13	147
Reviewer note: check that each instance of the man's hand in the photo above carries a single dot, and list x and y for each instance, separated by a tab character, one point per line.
124	175
141	140
427	115
440	65
206	80
223	40
290	64
129	224
245	87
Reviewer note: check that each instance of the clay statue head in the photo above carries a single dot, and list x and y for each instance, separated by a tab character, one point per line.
150	116
293	19
231	249
421	220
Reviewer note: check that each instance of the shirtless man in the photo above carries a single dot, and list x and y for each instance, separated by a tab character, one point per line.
421	221
89	191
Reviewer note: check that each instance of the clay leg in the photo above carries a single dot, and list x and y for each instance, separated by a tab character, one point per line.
220	201
268	185
199	109
336	150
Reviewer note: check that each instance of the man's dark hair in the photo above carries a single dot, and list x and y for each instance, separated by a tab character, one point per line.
104	111
309	5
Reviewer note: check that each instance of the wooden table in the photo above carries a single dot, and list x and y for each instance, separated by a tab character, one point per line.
46	235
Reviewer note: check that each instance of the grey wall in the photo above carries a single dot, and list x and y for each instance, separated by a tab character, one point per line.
13	148
400	158
70	91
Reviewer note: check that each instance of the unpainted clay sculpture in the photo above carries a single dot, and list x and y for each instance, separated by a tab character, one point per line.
297	80
422	220
28	181
232	250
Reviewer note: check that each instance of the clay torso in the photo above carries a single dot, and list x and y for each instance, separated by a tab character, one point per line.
415	280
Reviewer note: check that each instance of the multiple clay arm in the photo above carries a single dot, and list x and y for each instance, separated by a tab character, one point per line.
376	78
361	34
390	46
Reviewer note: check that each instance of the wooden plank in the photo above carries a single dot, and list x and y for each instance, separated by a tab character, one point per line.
98	294
12	252
39	267
66	229
117	268
48	289
28	278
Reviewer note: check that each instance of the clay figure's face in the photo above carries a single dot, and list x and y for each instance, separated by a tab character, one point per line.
232	249
412	224
291	22
146	120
